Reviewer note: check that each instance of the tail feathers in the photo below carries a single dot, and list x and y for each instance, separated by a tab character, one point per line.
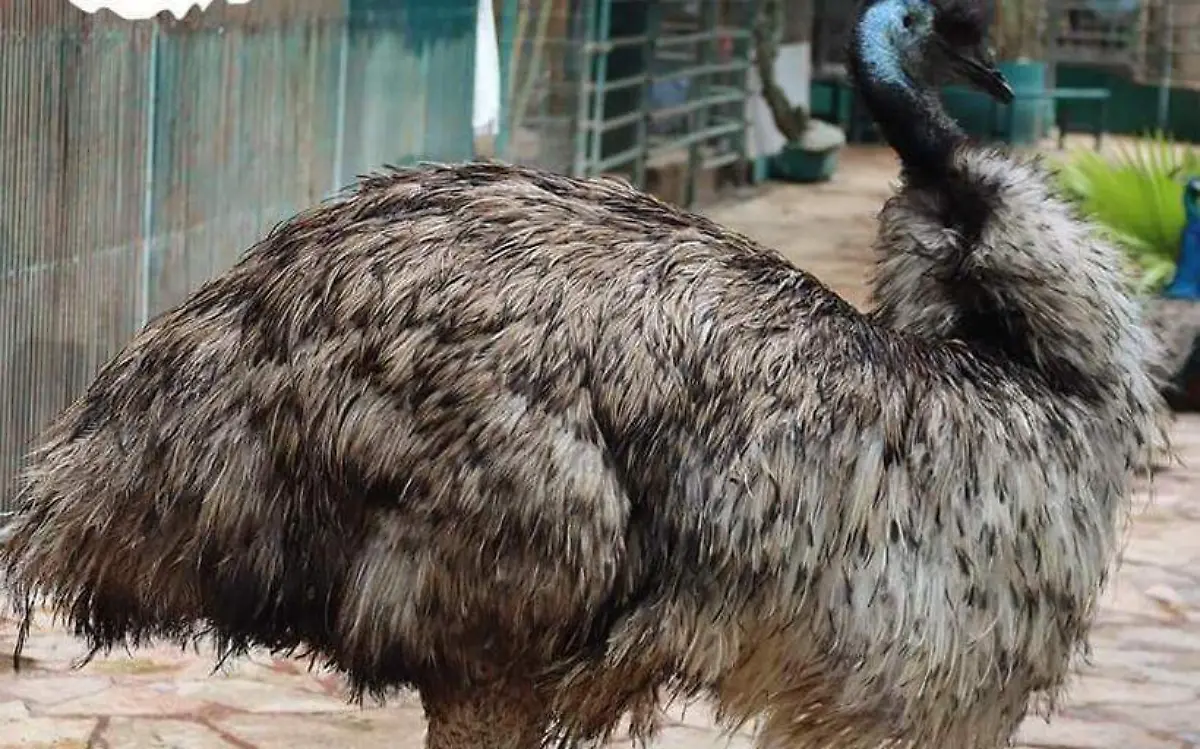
126	556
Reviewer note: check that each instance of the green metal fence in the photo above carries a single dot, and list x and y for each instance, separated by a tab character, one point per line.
627	86
137	159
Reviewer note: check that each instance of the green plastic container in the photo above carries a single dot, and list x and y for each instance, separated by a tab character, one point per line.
814	158
977	114
795	164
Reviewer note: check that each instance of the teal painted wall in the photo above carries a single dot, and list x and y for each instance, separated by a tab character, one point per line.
980	116
1134	107
411	72
259	113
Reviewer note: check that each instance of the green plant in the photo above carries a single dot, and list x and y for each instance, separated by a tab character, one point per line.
1136	196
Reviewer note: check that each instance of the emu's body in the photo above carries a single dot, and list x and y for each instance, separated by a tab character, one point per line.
547	449
480	424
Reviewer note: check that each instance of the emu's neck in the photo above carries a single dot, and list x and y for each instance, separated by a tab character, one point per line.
1031	287
910	116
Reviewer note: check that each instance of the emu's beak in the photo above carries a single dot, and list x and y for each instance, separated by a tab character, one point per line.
979	68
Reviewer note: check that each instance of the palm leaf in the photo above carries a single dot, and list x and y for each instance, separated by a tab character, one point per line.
1136	196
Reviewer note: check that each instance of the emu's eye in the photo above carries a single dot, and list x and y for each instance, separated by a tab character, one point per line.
909	20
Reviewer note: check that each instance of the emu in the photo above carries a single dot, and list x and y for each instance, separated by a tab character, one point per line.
551	451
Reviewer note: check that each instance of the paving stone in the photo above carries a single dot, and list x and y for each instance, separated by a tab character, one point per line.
12	710
256	697
156	733
690	737
46	733
1127	601
1168	639
139	666
1145	667
283	672
395	728
1066	732
37	689
150	700
1176	721
1100	690
54	650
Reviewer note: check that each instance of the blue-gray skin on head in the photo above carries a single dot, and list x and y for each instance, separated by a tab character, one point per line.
922	43
894	39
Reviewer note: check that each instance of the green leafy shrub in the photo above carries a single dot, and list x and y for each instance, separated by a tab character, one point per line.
1136	196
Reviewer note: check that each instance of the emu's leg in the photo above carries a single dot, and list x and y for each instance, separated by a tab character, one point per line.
502	715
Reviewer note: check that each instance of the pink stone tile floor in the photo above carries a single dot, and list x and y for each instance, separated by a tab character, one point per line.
1142	690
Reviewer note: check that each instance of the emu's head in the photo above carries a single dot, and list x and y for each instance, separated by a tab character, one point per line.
923	43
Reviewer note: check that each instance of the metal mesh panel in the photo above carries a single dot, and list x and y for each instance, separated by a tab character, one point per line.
625	86
1151	41
1018	30
1170	43
238	98
541	49
1105	33
700	81
137	159
71	178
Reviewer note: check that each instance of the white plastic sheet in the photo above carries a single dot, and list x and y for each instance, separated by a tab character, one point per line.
487	72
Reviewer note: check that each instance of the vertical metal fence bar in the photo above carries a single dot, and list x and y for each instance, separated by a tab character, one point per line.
1164	85
151	125
596	122
507	43
583	124
700	118
649	52
339	134
746	48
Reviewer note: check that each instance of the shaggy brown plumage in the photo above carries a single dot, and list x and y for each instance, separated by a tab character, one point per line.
550	450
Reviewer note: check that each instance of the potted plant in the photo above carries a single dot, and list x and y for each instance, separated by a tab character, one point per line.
811	147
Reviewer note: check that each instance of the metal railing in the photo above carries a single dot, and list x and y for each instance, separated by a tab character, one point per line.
626	86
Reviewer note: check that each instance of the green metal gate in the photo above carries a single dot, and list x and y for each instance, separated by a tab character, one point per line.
627	86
